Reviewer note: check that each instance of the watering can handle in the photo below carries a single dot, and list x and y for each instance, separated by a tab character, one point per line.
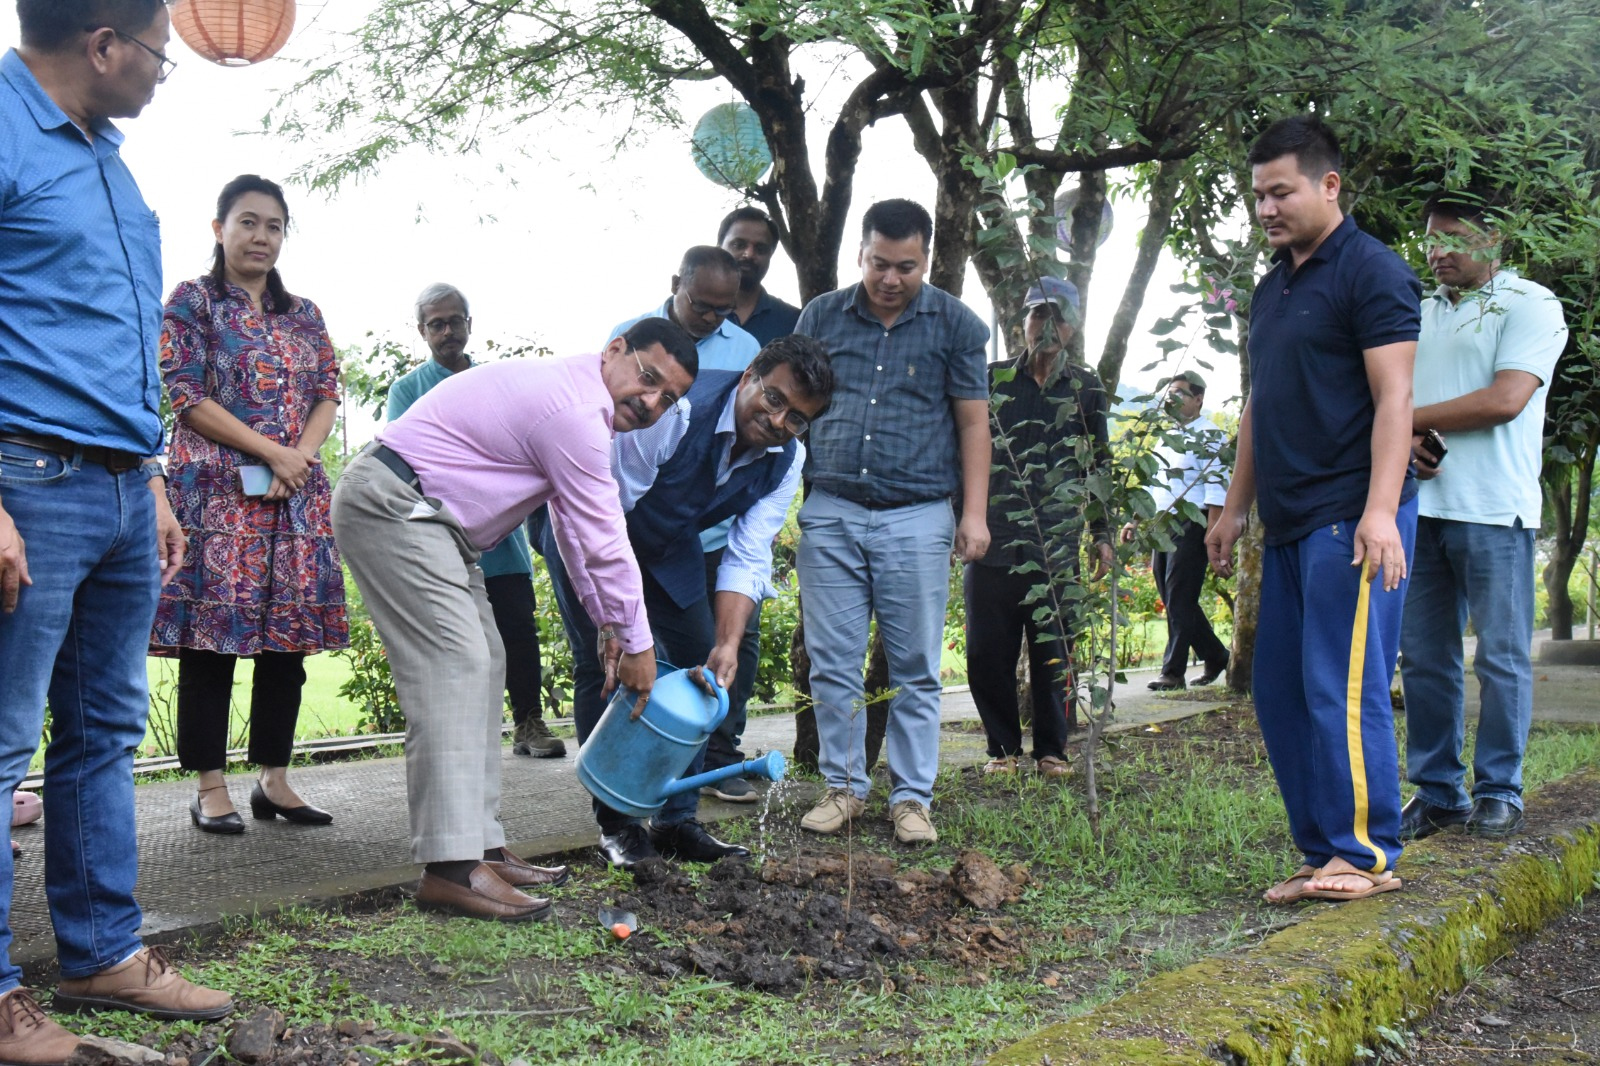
717	691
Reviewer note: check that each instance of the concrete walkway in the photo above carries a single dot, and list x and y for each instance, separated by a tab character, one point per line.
190	880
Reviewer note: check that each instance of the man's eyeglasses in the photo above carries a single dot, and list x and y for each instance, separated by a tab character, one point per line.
706	309
651	380
455	323
164	67
775	403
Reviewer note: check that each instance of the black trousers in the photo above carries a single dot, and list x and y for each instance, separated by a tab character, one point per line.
723	747
1180	575
205	692
511	598
997	619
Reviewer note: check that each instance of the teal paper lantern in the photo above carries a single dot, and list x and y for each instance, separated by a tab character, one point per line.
729	148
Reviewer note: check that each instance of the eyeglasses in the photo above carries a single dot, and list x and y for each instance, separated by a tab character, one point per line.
775	403
706	309
652	382
455	323
164	67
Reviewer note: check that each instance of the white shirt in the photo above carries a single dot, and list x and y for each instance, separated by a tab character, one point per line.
1491	476
1196	473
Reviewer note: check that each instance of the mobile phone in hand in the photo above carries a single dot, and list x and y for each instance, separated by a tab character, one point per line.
255	480
1433	444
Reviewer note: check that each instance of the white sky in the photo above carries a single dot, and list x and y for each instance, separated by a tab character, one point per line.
553	244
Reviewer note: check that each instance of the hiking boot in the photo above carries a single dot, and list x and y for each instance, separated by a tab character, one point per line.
1001	764
912	825
144	983
27	1037
838	807
534	738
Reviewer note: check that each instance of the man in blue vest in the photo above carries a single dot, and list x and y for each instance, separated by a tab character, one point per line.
731	455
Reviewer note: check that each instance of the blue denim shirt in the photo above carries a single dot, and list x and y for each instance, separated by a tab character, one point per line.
80	278
889	438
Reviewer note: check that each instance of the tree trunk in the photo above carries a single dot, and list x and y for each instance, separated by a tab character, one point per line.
1567	491
1246	604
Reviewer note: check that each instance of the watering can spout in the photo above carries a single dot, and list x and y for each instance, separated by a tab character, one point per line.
770	766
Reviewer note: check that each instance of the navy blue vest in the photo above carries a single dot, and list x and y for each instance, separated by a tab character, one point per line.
664	526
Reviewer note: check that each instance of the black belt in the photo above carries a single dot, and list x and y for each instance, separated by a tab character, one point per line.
393	461
117	462
881	505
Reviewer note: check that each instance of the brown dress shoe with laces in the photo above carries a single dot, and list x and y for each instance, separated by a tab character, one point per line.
485	897
519	873
144	983
27	1036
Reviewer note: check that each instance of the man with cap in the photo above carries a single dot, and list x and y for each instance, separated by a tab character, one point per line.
1048	416
1192	472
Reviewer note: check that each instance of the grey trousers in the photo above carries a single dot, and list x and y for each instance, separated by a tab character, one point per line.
419	578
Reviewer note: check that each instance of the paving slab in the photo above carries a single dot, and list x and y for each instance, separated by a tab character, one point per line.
189	880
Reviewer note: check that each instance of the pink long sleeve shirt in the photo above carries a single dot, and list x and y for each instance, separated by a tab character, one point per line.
495	444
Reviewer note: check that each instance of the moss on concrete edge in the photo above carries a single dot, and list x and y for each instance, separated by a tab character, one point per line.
1310	994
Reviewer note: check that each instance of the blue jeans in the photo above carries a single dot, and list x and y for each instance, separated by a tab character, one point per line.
78	638
855	564
1468	570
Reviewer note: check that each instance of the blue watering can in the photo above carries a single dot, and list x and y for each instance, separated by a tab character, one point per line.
632	766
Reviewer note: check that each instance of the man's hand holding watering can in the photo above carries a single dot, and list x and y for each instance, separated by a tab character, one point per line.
636	670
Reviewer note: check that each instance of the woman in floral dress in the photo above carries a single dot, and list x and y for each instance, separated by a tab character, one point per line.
254	385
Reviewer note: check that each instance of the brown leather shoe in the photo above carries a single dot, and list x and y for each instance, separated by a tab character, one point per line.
146	983
488	897
519	873
27	1037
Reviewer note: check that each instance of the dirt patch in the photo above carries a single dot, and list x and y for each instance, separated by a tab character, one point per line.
1539	1004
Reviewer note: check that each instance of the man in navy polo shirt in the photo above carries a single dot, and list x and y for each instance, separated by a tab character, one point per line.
1324	448
86	533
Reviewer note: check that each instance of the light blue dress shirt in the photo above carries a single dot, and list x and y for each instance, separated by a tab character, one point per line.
725	348
80	278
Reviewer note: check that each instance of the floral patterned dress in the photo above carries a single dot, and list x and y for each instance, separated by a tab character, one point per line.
257	575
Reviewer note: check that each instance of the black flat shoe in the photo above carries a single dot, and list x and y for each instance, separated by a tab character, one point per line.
1492	817
627	847
264	810
225	824
689	842
1419	819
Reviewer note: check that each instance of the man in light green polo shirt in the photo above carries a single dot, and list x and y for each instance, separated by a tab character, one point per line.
445	323
1488	347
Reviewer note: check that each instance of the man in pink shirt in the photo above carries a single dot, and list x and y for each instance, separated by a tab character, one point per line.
412	513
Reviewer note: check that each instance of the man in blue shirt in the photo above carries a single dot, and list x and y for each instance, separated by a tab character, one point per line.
732	460
705	290
748	234
1324	448
86	534
908	429
445	324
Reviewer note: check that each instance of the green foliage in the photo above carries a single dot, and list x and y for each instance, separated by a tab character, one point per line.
371	684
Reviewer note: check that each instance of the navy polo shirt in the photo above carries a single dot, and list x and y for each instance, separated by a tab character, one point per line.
1311	410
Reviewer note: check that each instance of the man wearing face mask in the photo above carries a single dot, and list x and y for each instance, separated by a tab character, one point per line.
87	537
1048	416
1193	472
445	324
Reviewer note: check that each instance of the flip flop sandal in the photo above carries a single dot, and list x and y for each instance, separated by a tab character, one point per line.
1304	874
1376	886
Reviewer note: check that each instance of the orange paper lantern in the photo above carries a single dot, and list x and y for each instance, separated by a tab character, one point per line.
234	33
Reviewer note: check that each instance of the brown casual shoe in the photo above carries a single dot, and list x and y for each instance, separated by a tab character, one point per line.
486	897
837	808
1001	764
533	738
1053	767
519	873
146	983
912	823
27	1037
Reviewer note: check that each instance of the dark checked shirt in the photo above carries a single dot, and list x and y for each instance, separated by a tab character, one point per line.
889	438
1311	409
80	279
1042	437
